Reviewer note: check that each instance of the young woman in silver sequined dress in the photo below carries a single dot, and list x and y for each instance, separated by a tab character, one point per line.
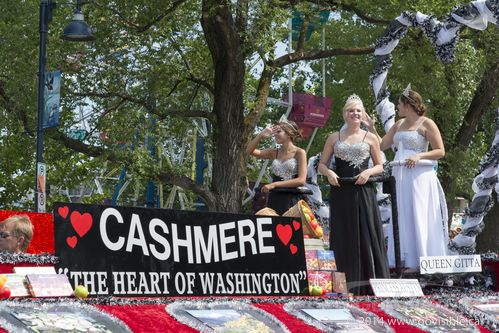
289	164
356	234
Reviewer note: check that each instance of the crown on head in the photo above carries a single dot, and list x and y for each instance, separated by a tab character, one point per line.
354	98
406	92
284	120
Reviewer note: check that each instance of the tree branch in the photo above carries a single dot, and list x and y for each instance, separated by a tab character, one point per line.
162	114
360	13
192	77
334	4
147	26
79	146
12	107
242	16
314	55
109	95
113	10
188	184
485	93
262	93
159	18
164	176
203	83
184	113
303	33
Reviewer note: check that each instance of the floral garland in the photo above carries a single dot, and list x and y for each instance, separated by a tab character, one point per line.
8	322
17	258
179	309
467	305
360	315
428	316
444	37
445	296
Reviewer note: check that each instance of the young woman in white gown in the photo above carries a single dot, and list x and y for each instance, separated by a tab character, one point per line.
422	211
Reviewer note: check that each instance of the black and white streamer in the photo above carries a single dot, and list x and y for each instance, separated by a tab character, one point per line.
444	37
482	202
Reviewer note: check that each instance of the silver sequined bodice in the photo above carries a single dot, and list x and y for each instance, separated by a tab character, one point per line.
355	154
412	140
286	170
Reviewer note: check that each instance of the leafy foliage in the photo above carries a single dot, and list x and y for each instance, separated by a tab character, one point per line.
155	67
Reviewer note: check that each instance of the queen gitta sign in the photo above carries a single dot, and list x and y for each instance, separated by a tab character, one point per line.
450	264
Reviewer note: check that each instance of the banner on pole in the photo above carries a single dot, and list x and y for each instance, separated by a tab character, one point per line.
52	99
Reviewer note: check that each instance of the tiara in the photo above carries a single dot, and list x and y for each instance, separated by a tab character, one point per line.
284	120
406	92
354	98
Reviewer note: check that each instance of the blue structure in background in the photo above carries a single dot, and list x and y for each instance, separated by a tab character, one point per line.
152	199
200	166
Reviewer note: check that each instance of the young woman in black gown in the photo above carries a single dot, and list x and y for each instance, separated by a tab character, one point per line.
356	234
289	164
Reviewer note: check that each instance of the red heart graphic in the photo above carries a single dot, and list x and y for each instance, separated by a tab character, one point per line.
72	241
296	225
81	223
63	211
293	248
284	232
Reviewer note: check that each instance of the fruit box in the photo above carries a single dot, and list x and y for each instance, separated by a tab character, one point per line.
339	283
326	260
321	279
311	260
310	225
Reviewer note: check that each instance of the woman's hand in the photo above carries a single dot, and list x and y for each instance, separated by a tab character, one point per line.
268	187
332	178
362	177
267	133
369	121
412	161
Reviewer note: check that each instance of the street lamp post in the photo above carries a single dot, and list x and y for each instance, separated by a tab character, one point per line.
77	30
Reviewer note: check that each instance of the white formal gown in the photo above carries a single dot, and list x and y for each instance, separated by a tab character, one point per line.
422	210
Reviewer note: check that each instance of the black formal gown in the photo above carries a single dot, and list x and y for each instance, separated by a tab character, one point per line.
356	231
283	198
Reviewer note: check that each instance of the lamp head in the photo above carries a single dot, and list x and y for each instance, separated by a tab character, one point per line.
78	30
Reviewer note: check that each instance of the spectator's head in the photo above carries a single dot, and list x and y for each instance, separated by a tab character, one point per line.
16	233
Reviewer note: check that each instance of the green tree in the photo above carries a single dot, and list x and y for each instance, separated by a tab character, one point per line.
157	65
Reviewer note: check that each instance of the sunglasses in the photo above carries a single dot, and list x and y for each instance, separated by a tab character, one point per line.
4	234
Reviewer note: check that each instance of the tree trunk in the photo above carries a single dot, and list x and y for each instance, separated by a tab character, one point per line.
229	167
484	94
488	240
